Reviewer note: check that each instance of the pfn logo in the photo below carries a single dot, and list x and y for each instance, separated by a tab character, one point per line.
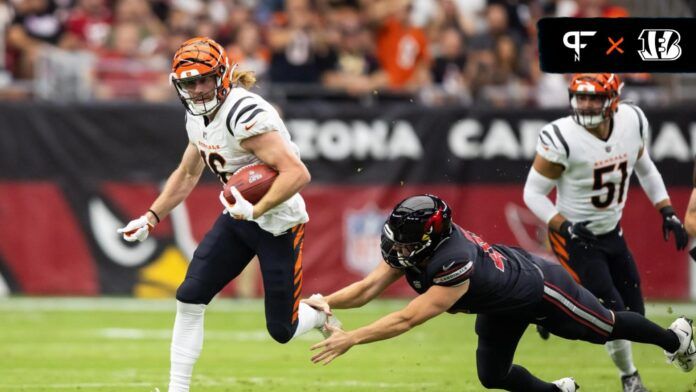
660	45
571	40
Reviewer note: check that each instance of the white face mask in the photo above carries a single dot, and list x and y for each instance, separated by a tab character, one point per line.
199	108
589	119
203	108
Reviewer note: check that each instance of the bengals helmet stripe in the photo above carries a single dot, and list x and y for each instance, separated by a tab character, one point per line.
195	59
607	85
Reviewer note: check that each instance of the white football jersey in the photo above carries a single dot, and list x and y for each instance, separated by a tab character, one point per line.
595	181
244	114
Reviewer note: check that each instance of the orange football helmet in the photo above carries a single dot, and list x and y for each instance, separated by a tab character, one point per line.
194	62
606	85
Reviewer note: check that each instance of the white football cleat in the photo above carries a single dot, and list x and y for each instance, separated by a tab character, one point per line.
332	321
567	384
685	357
324	318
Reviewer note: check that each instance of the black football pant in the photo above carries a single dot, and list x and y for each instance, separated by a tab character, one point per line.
606	268
224	252
566	309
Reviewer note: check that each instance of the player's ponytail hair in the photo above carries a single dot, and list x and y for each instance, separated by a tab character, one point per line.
246	79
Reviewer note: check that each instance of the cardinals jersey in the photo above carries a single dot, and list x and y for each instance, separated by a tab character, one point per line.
502	279
595	181
244	114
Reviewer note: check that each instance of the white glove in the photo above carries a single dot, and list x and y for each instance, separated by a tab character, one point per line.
136	230
241	209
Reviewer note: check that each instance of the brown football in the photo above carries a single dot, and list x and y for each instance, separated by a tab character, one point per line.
252	181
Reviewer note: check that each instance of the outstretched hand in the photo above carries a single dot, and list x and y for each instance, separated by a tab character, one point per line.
337	344
318	302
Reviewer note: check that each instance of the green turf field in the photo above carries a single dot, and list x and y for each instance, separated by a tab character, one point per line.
123	345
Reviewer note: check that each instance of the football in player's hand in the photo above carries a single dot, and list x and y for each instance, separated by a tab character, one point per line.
252	181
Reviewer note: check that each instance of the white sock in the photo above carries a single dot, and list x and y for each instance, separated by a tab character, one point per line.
308	318
187	342
620	352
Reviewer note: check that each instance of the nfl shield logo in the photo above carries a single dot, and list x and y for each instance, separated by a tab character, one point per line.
608	148
362	230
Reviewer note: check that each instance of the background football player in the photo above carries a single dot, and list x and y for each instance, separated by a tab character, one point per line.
455	270
589	157
690	218
229	127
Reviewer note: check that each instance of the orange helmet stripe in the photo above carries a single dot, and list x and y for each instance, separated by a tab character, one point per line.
200	54
197	57
602	83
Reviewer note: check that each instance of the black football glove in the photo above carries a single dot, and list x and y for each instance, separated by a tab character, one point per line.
670	222
578	232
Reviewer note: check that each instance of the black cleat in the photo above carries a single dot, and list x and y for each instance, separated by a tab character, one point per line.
543	333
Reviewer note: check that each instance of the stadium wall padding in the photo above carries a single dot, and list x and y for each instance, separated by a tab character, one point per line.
71	174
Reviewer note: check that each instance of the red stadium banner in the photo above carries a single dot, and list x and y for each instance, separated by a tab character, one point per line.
74	174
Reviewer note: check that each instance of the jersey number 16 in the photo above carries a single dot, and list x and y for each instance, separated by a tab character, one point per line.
215	162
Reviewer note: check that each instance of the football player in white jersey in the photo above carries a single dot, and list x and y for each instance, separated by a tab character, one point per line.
589	157
690	217
229	127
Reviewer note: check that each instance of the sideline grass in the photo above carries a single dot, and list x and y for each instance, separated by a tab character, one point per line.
59	344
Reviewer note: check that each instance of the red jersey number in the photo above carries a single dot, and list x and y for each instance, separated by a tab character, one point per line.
495	256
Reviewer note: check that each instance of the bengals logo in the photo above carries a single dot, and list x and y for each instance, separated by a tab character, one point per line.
660	45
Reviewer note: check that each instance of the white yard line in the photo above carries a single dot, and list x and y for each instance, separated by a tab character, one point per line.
202	381
258	335
109	304
82	385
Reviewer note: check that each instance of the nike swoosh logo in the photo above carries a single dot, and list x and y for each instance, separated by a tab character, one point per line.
248	127
448	266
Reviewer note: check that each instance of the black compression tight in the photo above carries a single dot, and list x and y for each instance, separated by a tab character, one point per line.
636	328
495	370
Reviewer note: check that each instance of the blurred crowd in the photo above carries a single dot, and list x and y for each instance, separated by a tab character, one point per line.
438	51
